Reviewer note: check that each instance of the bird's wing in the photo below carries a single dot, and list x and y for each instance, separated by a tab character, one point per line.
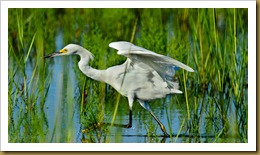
148	60
158	62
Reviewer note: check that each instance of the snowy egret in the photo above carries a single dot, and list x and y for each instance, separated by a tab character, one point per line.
144	76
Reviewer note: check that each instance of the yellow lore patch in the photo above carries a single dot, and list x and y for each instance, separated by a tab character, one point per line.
63	51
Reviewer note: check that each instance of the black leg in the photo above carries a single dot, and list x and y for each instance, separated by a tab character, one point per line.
129	125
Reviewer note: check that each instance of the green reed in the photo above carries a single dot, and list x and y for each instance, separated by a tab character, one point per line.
211	41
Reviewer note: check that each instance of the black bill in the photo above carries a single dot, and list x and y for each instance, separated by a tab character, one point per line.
51	55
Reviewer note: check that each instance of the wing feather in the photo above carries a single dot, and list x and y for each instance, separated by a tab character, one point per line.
148	60
157	61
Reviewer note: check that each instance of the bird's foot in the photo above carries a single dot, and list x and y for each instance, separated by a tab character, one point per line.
128	125
166	134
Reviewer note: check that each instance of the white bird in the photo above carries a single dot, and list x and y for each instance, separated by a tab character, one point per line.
144	76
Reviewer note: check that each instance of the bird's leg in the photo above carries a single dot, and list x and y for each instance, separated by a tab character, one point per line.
160	124
130	102
129	125
147	107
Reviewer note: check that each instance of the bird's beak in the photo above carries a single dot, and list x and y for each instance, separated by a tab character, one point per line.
52	55
61	52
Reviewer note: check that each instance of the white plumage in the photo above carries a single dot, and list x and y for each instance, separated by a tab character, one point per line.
144	76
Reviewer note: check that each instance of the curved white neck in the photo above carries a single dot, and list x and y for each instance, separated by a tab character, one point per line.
88	70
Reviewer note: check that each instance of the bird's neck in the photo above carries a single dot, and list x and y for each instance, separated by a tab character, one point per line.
88	70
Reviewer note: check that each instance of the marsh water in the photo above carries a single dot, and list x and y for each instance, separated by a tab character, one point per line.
54	110
50	100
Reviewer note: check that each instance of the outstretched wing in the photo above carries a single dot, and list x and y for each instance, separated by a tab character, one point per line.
149	60
162	64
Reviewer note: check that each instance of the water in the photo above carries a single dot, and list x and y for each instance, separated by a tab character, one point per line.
56	111
141	117
54	108
214	113
138	132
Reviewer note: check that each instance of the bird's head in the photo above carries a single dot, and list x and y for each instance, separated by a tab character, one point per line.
67	50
